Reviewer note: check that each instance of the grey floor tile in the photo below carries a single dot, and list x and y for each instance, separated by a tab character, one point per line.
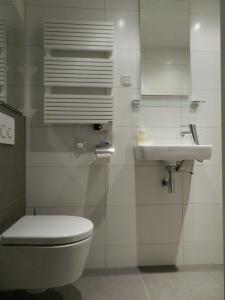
131	284
186	284
108	286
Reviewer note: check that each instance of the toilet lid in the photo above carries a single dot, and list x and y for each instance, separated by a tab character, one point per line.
47	230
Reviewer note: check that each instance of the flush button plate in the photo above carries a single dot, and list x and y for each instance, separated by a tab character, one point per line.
7	129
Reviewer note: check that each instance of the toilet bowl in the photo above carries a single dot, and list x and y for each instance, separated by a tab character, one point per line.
40	252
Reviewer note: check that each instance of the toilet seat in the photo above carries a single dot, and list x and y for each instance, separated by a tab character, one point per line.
47	230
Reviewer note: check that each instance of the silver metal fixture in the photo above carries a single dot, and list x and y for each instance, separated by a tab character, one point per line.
169	182
104	149
80	146
192	131
136	103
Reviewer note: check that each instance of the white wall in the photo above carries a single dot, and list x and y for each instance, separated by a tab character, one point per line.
136	221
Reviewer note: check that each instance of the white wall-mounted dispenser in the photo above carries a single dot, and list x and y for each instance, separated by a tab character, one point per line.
78	72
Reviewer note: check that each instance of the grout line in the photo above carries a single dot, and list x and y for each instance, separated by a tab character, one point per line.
145	287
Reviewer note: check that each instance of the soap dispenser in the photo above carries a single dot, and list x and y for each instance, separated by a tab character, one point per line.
141	135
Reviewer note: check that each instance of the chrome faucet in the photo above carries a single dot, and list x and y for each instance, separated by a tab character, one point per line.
192	131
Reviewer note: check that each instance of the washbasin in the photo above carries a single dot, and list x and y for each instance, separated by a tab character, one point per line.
173	153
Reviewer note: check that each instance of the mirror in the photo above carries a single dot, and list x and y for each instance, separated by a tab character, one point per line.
165	47
13	56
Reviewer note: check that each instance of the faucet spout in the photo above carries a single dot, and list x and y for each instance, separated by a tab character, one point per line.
193	131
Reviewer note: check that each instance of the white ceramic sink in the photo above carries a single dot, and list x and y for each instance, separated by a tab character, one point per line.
173	153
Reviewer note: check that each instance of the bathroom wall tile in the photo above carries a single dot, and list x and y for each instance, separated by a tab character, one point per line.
126	62
6	2
29	211
15	26
130	224
207	36
55	146
96	258
149	189
203	253
122	5
35	65
66	186
121	225
95	213
208	113
143	255
212	136
205	7
15	95
205	186
126	32
34	104
125	115
123	139
205	70
68	3
15	61
36	16
121	185
140	185
202	223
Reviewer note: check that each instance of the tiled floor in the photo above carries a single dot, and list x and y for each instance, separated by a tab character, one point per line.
196	283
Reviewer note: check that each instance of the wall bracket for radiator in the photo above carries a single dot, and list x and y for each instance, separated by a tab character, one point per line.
78	72
3	62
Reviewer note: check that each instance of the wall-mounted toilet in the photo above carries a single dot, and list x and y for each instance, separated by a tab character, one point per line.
40	252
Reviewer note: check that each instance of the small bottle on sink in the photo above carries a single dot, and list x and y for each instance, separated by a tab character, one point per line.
141	135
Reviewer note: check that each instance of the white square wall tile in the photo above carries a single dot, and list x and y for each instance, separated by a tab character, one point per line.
95	213
35	65
206	37
66	186
149	189
123	139
121	225
15	25
124	114
204	186
129	224
206	73
96	258
203	253
126	62
205	7
203	223
120	185
143	255
208	113
159	224
15	65
122	5
126	28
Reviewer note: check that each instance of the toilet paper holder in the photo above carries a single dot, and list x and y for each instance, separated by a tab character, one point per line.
104	150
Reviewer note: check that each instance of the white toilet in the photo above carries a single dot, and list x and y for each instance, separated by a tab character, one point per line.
40	252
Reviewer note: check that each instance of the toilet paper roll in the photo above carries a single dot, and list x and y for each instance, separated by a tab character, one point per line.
103	155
